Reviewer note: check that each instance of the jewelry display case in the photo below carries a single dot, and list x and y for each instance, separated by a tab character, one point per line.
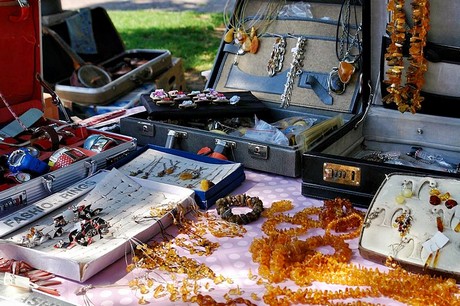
404	137
87	46
209	178
39	155
84	228
281	58
415	220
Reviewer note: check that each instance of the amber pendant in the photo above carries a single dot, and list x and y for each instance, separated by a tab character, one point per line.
335	84
346	71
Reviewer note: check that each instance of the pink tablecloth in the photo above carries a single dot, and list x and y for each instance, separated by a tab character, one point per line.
232	259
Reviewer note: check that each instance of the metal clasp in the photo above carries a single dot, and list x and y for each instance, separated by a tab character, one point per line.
48	182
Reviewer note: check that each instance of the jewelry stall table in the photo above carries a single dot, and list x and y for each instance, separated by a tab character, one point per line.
232	259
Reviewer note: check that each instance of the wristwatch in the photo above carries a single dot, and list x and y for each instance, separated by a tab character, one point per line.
23	160
64	157
98	143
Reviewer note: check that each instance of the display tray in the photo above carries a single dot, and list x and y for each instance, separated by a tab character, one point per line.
288	74
415	220
55	156
186	170
81	230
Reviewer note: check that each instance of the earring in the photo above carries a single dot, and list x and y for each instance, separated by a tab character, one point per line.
436	198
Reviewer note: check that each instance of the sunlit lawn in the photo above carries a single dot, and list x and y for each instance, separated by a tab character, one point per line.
194	37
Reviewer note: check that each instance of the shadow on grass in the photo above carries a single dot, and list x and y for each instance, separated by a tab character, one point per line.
196	47
173	6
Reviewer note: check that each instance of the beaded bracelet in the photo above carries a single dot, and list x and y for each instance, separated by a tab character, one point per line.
242	200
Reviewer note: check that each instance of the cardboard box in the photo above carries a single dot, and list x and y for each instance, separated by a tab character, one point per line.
173	78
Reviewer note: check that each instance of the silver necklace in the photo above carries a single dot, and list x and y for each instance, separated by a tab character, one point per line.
295	70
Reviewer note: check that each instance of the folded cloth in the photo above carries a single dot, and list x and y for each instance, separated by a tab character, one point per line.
81	35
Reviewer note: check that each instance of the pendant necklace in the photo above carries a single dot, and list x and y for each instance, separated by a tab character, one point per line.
348	49
244	30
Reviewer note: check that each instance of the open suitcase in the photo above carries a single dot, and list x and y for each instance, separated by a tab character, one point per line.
40	156
284	81
95	43
354	163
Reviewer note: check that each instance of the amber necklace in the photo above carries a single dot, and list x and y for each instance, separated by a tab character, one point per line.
407	97
348	48
244	31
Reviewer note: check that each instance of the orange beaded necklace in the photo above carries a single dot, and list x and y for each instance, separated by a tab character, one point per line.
407	97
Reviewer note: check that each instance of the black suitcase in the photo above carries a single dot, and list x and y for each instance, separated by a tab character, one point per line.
354	163
125	69
270	94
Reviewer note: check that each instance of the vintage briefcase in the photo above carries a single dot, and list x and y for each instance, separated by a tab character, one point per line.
40	156
85	47
354	163
280	70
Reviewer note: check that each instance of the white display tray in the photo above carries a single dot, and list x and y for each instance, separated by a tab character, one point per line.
126	205
424	246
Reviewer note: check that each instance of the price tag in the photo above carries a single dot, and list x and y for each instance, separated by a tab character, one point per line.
16	280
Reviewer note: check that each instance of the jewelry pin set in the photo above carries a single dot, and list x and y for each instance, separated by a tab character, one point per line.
416	220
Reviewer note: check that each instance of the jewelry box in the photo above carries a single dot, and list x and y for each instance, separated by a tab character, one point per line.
390	137
415	220
286	55
208	177
42	150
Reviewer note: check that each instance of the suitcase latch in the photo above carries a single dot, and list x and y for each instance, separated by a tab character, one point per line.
258	151
146	129
342	174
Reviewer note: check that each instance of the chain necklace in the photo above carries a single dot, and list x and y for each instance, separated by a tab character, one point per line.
348	49
407	97
12	112
295	70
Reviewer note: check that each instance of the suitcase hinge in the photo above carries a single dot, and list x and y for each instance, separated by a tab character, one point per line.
258	151
368	106
48	182
91	165
173	137
225	143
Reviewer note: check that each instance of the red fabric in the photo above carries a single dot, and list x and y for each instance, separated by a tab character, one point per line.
19	60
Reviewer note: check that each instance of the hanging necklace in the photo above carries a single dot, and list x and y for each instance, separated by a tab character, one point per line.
348	49
244	30
407	97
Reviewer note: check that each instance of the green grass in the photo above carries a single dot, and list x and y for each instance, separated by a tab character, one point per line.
194	37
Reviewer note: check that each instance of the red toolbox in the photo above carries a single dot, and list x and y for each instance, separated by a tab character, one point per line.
40	156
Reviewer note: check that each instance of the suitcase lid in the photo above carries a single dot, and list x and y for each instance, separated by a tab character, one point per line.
440	89
90	33
20	57
236	70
